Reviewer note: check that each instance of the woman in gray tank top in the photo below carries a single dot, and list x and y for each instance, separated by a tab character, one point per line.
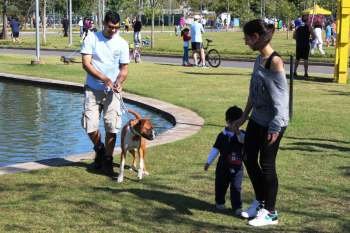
267	106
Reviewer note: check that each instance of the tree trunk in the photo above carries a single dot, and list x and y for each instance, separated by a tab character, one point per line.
152	29
162	20
4	28
287	24
43	21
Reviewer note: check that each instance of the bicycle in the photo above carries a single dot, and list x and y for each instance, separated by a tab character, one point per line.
212	56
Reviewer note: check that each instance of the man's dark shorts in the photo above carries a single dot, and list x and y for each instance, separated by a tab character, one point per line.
302	53
196	46
15	34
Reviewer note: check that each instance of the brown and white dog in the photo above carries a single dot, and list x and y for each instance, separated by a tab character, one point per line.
133	138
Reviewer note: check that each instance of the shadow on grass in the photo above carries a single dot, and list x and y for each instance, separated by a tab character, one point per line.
315	216
13	227
213	125
313	212
321	146
212	73
318	139
345	169
317	145
168	64
89	166
313	79
181	203
342	93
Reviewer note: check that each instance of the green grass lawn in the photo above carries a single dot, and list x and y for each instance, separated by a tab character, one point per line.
229	44
178	196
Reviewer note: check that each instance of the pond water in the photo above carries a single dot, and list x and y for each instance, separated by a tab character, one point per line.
41	123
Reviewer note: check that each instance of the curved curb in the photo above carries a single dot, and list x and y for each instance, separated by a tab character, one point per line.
186	123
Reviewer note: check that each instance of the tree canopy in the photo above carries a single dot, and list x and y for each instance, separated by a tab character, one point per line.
244	9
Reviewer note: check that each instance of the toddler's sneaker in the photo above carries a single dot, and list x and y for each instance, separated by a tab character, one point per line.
220	206
263	218
252	211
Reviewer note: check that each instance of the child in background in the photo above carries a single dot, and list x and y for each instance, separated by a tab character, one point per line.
334	33
229	169
185	33
328	34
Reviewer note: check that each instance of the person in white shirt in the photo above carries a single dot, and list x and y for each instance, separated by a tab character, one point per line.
197	42
318	41
81	24
105	58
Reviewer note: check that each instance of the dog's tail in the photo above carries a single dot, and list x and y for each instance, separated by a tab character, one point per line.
137	115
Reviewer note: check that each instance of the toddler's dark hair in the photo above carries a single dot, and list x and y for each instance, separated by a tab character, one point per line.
233	113
184	30
264	30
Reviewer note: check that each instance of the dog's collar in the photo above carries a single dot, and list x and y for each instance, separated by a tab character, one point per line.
134	131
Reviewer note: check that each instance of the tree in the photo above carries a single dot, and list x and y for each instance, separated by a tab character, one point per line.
4	20
154	5
43	20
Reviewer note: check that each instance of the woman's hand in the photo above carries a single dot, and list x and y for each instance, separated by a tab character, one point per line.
272	137
234	126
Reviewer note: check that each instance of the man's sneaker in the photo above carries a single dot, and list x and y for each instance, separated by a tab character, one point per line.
100	154
253	209
220	206
107	166
263	218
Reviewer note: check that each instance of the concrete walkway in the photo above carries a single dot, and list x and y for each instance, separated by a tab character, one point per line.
319	69
186	123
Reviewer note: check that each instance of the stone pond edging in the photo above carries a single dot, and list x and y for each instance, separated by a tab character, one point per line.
186	122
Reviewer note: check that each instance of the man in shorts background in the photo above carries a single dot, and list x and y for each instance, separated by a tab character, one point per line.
302	37
105	58
15	25
197	41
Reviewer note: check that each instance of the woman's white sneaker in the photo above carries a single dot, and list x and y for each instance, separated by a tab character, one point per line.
264	218
252	211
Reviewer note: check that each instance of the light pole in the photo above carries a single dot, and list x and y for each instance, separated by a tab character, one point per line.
103	10
37	36
70	24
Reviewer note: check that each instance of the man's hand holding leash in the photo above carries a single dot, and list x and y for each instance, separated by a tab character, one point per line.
123	73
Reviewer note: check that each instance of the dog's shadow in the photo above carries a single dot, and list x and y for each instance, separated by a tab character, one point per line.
91	169
181	203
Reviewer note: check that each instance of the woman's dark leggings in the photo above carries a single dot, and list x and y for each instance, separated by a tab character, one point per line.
263	173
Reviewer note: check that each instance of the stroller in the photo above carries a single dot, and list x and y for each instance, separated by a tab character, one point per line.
146	42
135	52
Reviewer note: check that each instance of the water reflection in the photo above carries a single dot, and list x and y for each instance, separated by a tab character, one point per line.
40	123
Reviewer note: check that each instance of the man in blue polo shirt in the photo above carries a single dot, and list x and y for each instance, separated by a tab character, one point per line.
105	58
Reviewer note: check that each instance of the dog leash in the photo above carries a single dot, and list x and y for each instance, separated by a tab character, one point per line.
123	107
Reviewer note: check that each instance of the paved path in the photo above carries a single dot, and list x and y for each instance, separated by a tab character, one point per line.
322	69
